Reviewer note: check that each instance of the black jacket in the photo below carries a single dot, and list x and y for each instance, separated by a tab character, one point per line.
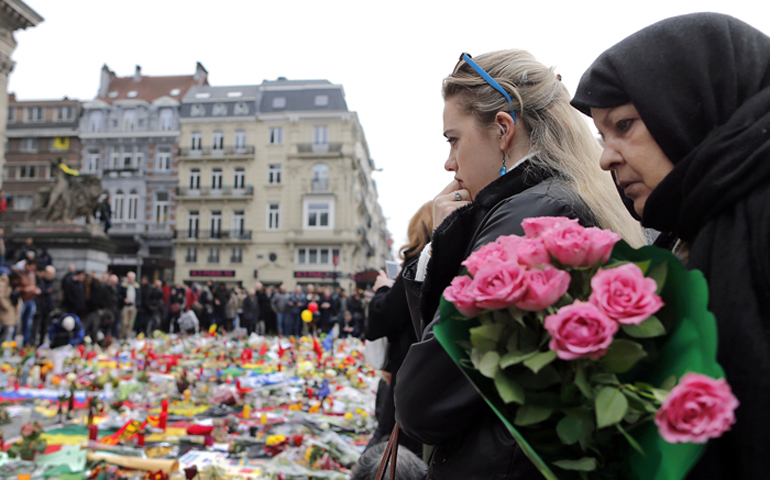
389	317
435	403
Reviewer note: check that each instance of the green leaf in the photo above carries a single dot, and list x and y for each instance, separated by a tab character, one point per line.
659	274
485	337
465	345
531	414
488	365
652	327
631	440
513	358
660	395
643	266
476	357
585	464
512	345
545	378
605	378
611	407
540	360
517	315
668	383
509	390
622	355
582	384
569	429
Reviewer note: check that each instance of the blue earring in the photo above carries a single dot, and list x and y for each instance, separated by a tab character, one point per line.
503	169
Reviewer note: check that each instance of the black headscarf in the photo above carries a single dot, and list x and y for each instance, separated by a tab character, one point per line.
701	84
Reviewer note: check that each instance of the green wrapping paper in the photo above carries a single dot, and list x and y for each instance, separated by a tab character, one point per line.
690	346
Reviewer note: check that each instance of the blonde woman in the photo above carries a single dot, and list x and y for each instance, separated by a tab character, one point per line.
518	150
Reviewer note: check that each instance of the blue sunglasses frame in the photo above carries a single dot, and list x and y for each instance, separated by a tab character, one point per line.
488	78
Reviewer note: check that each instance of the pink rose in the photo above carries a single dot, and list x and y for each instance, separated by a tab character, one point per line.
697	409
580	330
569	243
499	286
544	288
531	253
534	227
490	254
625	294
459	293
602	243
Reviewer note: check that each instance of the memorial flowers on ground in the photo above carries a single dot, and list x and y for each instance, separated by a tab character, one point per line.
578	341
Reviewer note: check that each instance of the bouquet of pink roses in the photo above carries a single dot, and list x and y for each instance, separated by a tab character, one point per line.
576	340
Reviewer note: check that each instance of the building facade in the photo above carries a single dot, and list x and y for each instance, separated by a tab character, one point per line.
38	134
275	185
14	15
130	139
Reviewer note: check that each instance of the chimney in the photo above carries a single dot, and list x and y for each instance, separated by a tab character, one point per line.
107	76
138	74
201	75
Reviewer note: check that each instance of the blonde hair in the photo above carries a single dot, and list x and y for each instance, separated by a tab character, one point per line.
556	130
418	234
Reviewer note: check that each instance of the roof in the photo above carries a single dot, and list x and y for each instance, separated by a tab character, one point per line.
12	102
206	93
309	99
149	88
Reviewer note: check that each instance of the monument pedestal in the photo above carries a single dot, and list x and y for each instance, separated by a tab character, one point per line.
85	246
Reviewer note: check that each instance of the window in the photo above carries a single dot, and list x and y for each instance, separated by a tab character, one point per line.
163	159
321	135
161	207
197	110
11	113
240	140
92	161
218	141
34	114
195	178
203	95
219	110
234	94
241	108
238	223
29	144
273	216
213	255
117	205
279	102
96	120
196	141
191	255
317	256
216	178
236	256
129	120
133	205
320	182
318	213
274	174
239	177
113	94
321	100
27	171
216	223
115	157
131	158
276	135
22	202
175	91
192	224
64	113
166	118
132	94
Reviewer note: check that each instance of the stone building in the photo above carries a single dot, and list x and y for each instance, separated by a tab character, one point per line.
38	133
275	185
14	15
130	138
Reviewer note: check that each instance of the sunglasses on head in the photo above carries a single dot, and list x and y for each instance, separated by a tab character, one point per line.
491	81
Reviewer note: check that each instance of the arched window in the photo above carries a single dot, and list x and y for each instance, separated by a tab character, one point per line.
117	205
320	177
133	205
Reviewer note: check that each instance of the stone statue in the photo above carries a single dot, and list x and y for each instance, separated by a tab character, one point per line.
71	196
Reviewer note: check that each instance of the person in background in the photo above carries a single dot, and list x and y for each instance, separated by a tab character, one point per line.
348	326
231	309
221	297
28	292
103	212
10	306
2	246
73	295
3	204
130	291
297	303
29	246
176	303
45	257
113	283
356	309
266	315
250	312
45	304
154	307
166	289
280	304
328	308
66	330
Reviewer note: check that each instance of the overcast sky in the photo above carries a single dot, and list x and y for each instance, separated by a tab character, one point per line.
389	56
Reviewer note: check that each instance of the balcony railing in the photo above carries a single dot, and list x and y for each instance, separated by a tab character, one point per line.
212	234
319	148
216	152
215	192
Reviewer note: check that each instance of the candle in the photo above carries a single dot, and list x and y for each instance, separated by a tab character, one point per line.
247	411
187	394
140	438
162	420
93	432
164	405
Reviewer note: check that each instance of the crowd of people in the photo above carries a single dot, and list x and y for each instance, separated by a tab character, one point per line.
103	306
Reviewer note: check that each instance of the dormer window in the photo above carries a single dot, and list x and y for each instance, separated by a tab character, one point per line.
279	102
321	100
234	94
132	94
203	95
175	91
219	110
198	110
241	108
113	94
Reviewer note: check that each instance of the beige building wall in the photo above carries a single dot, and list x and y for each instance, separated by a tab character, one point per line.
14	15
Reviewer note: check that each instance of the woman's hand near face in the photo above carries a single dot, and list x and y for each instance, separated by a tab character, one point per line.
446	202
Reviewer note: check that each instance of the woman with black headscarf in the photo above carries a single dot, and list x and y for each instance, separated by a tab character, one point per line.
683	107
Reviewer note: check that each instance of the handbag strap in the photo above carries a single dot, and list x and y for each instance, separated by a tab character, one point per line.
390	456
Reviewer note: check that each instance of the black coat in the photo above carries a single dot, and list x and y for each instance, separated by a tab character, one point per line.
435	403
389	317
251	310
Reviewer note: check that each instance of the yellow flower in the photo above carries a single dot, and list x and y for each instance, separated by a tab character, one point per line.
5	345
13	344
348	415
274	439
